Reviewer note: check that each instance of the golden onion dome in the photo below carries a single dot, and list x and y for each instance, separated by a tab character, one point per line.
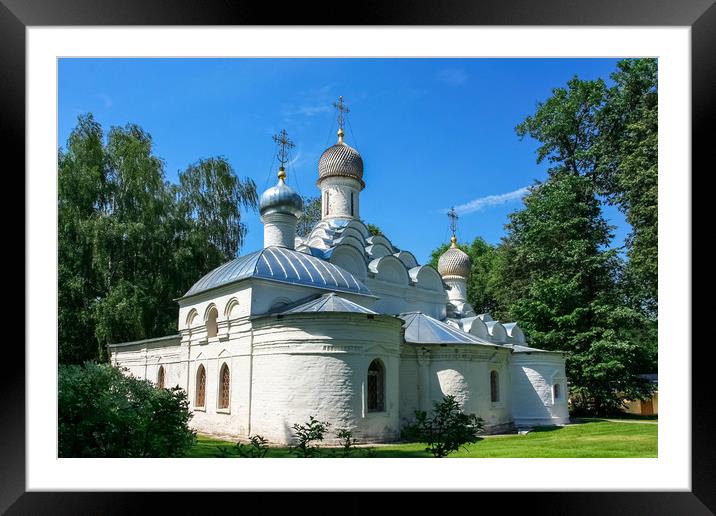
454	262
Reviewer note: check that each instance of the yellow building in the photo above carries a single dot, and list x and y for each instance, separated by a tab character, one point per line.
649	407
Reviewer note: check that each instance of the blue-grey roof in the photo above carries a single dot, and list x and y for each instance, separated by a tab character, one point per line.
280	199
423	329
330	303
519	348
282	265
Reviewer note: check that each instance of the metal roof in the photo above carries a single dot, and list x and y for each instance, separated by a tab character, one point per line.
330	303
423	329
282	265
518	348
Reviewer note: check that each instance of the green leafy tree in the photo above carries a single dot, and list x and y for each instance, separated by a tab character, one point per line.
83	192
560	283
481	288
307	435
310	217
374	230
628	170
610	135
446	429
129	242
105	413
212	195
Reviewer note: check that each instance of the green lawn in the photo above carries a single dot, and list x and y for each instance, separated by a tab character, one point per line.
594	438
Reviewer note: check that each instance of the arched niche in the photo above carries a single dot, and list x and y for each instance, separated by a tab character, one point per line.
514	333
350	240
380	239
211	319
231	311
358	226
351	259
379	250
192	318
475	326
497	331
352	232
426	277
407	258
389	269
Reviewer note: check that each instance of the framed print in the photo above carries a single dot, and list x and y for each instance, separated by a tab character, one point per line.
103	43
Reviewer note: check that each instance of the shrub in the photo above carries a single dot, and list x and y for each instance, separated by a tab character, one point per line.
305	435
347	442
223	452
105	413
257	449
446	430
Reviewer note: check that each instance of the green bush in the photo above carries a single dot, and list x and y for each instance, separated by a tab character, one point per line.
104	413
307	434
347	441
446	429
256	450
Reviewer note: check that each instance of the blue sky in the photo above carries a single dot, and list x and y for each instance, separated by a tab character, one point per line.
433	133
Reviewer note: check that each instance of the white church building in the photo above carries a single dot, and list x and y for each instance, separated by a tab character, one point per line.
344	326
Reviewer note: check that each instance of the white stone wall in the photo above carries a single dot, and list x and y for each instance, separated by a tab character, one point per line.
231	302
279	230
395	299
267	294
533	375
458	290
339	197
306	365
461	371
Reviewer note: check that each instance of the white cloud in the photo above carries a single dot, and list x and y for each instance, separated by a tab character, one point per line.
311	110
490	200
452	76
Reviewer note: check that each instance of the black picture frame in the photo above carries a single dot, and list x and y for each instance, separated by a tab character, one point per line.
699	15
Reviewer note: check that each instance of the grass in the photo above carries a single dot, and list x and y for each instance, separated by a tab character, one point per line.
593	438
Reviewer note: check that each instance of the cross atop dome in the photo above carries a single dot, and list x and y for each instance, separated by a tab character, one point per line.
284	145
342	110
452	215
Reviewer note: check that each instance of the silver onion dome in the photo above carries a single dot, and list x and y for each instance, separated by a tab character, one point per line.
340	160
454	262
280	199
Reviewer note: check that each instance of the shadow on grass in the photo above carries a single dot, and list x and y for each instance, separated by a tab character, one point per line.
585	420
544	429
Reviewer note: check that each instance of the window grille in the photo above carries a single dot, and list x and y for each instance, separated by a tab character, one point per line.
494	387
224	387
200	387
376	387
160	377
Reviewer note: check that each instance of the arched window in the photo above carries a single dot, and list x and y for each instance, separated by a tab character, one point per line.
494	387
376	386
200	387
326	203
352	205
160	377
556	394
211	326
224	386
